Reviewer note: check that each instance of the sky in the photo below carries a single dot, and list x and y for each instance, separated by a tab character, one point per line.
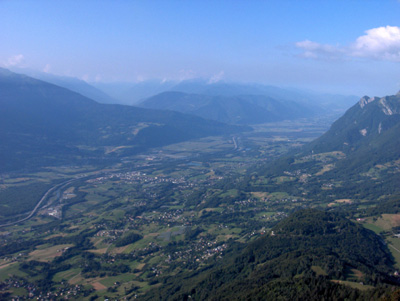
341	46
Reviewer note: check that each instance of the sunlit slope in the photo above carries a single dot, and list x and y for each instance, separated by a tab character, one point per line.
357	158
370	128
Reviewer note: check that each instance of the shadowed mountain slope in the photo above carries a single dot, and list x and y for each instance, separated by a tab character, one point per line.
41	123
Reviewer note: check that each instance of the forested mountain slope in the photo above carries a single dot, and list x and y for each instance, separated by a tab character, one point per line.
302	258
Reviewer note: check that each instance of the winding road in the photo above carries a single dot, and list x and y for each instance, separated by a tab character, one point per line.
44	197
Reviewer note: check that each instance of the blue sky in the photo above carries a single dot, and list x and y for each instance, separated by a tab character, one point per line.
350	47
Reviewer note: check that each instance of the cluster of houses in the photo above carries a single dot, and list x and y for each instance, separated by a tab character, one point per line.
65	291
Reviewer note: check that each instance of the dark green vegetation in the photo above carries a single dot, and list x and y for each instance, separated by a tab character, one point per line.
128	239
239	109
302	257
42	124
15	200
222	217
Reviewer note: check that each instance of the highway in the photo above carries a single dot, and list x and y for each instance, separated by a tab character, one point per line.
44	197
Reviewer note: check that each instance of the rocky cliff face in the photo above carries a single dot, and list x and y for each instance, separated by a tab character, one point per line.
373	124
366	100
389	105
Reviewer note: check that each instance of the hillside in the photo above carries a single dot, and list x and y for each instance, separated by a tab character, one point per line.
70	83
370	125
303	258
44	124
356	160
239	109
367	135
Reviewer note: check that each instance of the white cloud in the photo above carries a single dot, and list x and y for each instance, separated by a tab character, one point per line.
216	78
140	78
186	74
15	60
382	43
85	77
47	68
315	50
379	43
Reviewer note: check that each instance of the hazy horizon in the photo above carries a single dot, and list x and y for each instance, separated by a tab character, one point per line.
342	47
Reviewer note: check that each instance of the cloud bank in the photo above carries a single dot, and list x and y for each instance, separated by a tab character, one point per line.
15	60
382	43
216	78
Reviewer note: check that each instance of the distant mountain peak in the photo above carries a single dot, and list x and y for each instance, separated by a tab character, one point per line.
390	105
366	100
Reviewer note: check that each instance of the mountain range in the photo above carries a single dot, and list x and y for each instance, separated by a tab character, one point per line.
136	93
41	123
241	109
317	103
